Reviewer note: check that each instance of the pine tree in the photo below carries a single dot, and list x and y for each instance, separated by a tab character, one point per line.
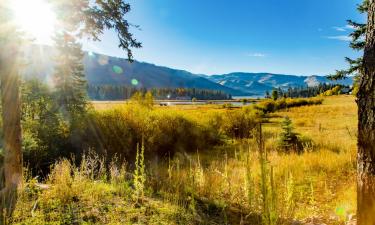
358	43
79	18
10	64
70	80
363	38
289	140
267	94
275	94
366	122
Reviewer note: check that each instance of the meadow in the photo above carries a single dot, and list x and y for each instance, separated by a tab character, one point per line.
203	164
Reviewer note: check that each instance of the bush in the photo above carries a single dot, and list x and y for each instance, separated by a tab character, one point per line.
227	106
269	106
240	123
334	91
118	131
144	99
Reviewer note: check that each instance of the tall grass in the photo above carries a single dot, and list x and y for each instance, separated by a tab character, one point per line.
139	177
305	185
241	181
92	194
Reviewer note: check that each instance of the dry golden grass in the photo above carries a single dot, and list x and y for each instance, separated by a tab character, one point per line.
319	182
221	185
333	125
332	164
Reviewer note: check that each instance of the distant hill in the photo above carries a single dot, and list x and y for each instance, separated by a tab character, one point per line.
102	69
259	83
106	70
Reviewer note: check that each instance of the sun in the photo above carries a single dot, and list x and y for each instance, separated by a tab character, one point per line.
36	18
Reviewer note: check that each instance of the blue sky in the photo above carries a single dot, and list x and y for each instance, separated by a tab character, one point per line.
301	37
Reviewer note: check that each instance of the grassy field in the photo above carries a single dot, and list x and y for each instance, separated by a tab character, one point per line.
232	183
328	166
182	104
320	183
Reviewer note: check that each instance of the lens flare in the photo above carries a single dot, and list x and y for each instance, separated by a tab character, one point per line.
117	69
134	82
91	54
103	60
340	211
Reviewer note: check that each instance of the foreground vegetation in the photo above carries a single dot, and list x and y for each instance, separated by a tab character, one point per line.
202	165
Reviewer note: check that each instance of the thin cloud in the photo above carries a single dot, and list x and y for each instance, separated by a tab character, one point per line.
340	38
349	27
259	55
344	28
341	29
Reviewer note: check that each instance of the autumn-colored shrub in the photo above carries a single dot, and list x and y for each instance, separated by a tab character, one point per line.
117	131
269	106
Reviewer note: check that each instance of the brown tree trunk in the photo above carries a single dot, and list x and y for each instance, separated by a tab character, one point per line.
11	116
366	128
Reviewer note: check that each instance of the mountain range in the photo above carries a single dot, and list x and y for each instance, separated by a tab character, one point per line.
259	83
105	70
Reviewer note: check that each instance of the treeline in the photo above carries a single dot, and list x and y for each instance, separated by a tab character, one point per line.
119	92
304	92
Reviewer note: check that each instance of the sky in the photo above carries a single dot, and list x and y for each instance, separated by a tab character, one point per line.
299	37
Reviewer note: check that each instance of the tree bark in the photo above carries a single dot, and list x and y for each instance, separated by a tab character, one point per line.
11	115
366	128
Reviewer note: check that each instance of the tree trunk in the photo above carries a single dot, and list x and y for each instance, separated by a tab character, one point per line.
366	128
11	115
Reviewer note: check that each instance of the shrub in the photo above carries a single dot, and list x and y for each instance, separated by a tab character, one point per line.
334	91
143	99
117	132
227	106
240	123
269	106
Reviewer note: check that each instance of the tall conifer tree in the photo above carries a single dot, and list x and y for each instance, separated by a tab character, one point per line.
363	39
70	82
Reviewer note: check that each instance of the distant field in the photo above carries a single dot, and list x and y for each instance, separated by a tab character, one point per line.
100	105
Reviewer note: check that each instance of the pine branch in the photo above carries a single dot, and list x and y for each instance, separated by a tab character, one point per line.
363	8
339	75
358	43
